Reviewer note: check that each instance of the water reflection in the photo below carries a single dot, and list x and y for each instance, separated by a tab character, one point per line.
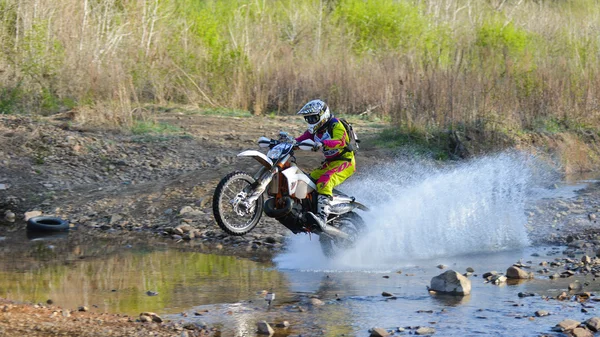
117	281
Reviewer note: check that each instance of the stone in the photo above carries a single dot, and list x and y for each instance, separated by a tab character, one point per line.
425	331
153	317
517	273
145	319
379	332
592	216
581	332
115	218
541	313
451	282
489	274
264	328
186	209
470	270
29	215
497	279
566	325
575	286
316	302
9	216
586	259
386	294
284	324
83	308
593	324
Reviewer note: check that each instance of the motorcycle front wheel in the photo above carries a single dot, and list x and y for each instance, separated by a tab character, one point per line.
350	223
231	212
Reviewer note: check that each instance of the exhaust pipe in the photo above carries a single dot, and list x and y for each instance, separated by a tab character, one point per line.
325	228
332	231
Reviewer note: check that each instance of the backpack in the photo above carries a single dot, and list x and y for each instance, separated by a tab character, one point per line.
353	144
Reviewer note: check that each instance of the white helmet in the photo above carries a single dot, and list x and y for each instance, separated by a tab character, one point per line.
316	113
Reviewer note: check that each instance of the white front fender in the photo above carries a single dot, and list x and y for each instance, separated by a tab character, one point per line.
259	156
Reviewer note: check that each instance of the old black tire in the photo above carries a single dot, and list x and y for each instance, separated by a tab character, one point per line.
47	224
350	223
225	212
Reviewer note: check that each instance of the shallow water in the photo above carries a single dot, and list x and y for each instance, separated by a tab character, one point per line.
469	216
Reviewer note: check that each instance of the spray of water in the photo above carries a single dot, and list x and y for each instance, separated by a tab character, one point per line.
420	211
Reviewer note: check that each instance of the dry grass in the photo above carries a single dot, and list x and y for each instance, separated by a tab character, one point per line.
492	65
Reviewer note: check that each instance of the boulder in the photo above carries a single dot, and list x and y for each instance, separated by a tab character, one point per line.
379	332
517	273
581	332
566	325
451	282
593	324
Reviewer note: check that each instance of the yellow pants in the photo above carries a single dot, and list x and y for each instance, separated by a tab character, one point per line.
331	174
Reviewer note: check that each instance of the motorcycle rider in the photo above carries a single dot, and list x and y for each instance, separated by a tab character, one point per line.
330	135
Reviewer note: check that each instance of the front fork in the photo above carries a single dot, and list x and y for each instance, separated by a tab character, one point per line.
247	199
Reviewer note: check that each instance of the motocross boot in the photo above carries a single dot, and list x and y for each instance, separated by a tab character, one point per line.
323	207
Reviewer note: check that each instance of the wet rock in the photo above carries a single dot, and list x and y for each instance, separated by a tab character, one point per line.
284	324
152	293
425	331
498	279
541	313
581	332
83	308
451	282
592	216
145	319
263	328
489	274
593	324
575	286
442	266
153	317
470	270
517	273
316	302
386	294
379	332
566	325
586	259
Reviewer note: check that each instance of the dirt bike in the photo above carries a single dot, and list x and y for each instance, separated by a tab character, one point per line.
238	200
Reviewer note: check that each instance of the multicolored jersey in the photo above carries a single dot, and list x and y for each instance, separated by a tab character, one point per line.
333	145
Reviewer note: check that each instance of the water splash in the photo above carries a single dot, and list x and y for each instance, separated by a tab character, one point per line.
420	211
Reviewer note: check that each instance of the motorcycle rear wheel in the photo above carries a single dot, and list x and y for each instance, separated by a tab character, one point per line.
350	223
230	214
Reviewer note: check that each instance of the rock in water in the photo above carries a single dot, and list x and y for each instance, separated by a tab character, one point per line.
518	273
379	332
451	282
264	328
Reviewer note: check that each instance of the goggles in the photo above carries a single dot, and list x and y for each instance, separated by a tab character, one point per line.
312	119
